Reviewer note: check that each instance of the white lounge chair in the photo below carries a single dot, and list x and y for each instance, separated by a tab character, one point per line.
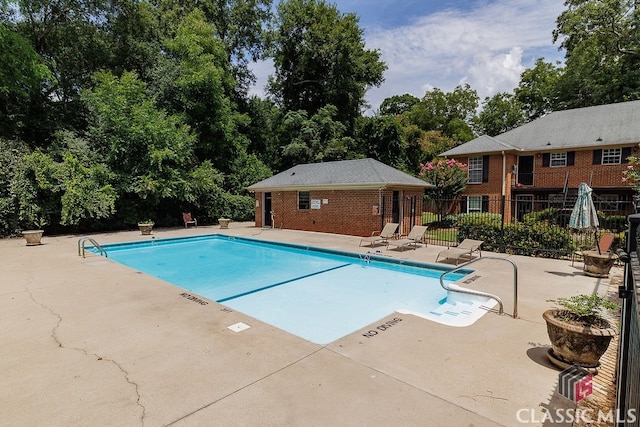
383	236
414	238
463	252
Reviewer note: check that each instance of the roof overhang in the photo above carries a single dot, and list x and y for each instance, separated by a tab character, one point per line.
341	187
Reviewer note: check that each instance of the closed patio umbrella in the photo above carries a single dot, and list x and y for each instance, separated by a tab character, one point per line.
584	215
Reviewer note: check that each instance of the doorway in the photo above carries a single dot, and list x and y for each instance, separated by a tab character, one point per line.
524	205
266	211
525	170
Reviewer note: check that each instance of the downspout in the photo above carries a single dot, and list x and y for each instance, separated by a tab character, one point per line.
504	193
504	174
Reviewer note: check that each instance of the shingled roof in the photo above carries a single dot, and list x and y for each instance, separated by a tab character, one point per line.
598	126
340	175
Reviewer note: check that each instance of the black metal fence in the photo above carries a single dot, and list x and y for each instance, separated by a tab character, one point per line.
628	372
451	220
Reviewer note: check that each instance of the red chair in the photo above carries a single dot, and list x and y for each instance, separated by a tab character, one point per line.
186	217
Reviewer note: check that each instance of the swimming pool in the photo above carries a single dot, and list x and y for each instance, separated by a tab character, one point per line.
317	294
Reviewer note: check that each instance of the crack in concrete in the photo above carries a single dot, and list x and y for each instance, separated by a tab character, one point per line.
58	341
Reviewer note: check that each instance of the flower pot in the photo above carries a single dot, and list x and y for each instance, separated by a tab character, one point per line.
33	237
596	264
224	222
145	228
577	344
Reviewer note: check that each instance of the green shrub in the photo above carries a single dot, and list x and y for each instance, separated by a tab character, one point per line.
530	239
538	239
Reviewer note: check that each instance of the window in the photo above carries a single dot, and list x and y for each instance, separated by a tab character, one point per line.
303	200
556	201
474	204
611	156
475	170
558	160
607	202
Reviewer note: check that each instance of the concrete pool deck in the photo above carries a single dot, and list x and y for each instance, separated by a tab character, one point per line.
87	341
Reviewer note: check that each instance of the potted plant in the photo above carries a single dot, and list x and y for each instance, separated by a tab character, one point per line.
34	236
579	333
224	222
146	226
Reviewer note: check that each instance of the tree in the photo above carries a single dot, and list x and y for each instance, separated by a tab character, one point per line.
449	177
500	113
238	24
382	138
23	73
538	89
450	113
150	152
70	35
602	39
398	104
195	80
315	139
320	59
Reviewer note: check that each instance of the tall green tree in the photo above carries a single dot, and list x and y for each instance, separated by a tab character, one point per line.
602	43
314	139
398	104
382	138
241	25
320	59
195	80
150	152
450	113
23	75
70	35
538	90
500	113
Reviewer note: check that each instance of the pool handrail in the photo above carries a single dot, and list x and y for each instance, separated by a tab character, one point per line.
486	294
95	244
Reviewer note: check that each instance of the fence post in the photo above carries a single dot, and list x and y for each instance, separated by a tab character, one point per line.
502	245
626	374
632	237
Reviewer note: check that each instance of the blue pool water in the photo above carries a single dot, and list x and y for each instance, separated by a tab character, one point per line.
316	294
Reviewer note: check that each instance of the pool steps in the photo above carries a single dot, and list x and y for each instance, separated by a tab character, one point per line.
81	246
456	288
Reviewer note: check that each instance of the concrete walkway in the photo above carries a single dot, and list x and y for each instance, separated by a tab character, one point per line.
89	342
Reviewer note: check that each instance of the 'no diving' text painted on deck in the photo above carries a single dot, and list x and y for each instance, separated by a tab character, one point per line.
381	328
193	298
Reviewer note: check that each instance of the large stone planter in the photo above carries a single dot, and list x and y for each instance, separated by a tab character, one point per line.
596	264
224	222
573	344
145	228
33	237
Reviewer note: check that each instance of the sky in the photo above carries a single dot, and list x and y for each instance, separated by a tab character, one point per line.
442	44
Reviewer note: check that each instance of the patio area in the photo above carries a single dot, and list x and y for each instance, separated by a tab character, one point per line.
87	341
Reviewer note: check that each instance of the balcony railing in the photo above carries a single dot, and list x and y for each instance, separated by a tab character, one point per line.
609	178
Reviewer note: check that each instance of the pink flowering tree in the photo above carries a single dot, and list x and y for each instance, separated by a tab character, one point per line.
631	175
448	175
450	178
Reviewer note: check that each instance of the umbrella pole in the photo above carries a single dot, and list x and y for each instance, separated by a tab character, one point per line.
595	235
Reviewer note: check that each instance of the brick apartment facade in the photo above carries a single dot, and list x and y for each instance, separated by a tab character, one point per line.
352	197
544	161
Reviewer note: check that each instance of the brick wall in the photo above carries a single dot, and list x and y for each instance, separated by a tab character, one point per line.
350	212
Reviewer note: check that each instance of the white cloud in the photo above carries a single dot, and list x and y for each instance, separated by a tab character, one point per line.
487	46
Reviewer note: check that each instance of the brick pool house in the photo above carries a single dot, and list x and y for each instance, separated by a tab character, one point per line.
352	197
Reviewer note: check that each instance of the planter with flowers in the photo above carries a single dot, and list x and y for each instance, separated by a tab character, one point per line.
579	333
33	236
146	227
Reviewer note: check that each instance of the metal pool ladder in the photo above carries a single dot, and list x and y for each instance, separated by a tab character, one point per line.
95	244
486	294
